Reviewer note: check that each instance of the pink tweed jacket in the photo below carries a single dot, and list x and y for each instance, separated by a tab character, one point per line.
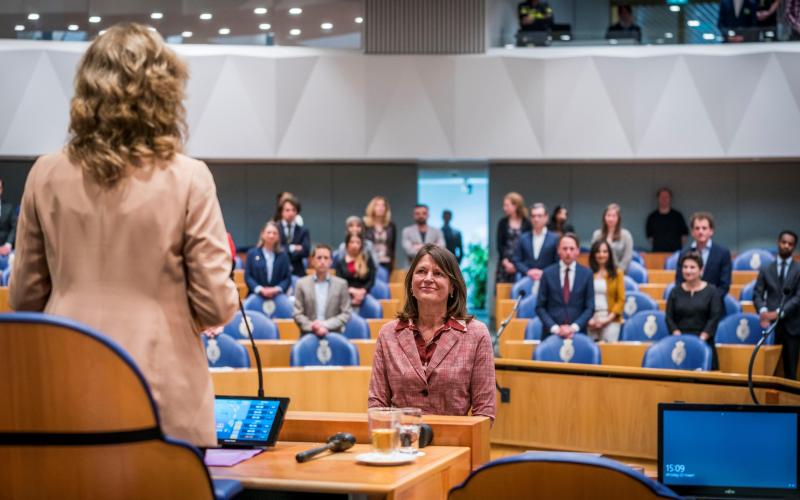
459	377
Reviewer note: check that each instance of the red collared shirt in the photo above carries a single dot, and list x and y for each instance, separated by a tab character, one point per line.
426	350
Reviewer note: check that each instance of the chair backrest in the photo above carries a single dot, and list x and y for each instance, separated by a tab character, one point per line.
558	475
522	285
292	287
382	274
50	399
533	329
263	328
678	352
668	290
5	277
732	306
370	308
637	272
527	307
636	302
672	261
740	328
356	328
578	349
238	264
380	290
645	326
3	262
279	307
752	260
630	284
747	292
331	350
637	257
224	351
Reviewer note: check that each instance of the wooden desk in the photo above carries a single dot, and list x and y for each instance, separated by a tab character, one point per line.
398	276
390	308
277	353
4	307
287	329
397	291
655	260
431	476
375	326
472	432
610	410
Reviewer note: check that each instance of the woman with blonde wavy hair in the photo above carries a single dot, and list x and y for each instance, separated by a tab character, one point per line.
381	231
123	233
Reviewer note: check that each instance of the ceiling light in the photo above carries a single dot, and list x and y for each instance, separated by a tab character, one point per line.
708	36
33	16
675	8
224	31
359	20
95	19
205	16
295	31
265	26
693	23
187	34
668	35
72	27
260	11
157	15
295	11
19	27
326	26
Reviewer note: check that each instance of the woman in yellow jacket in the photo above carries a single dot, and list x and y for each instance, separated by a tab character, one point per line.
609	293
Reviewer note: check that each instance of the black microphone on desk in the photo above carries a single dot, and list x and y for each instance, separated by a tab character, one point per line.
256	355
338	442
764	334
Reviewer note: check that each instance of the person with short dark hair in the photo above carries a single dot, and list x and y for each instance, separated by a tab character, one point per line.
295	238
717	264
737	15
8	224
693	306
609	293
420	233
267	270
625	26
321	301
434	356
666	228
452	236
537	248
618	237
773	279
559	221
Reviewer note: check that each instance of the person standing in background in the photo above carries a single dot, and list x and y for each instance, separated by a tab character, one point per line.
381	231
295	239
452	237
509	230
418	234
666	228
559	221
536	250
617	236
716	268
8	224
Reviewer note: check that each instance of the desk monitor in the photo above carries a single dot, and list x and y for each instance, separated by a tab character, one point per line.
729	451
244	422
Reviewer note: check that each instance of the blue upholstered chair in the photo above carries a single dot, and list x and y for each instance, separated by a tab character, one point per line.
525	284
645	326
752	260
527	307
224	351
279	307
533	329
558	475
630	284
291	289
636	302
331	350
668	289
678	352
263	328
3	262
369	308
382	274
5	277
637	272
637	257
578	349
732	306
103	457
356	328
672	261
740	328
747	291
238	264
380	290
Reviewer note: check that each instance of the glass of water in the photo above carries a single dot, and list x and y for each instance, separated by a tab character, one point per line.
410	420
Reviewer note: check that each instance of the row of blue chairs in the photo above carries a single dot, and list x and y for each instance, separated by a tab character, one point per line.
750	260
280	307
264	328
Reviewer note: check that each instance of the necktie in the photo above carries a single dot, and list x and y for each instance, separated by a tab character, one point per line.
289	233
782	273
566	285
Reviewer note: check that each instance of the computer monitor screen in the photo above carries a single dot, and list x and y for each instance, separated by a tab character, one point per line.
245	421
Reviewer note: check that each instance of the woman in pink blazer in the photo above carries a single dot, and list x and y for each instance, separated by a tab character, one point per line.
434	356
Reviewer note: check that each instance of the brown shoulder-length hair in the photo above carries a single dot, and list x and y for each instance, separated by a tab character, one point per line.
617	229
446	261
611	266
127	109
518	201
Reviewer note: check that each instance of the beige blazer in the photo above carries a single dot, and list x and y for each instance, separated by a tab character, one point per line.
337	308
146	262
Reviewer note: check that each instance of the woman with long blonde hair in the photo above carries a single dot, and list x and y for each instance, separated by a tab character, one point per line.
268	271
381	231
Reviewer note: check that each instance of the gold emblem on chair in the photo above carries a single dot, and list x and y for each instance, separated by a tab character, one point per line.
742	330
213	351
243	326
567	351
755	262
268	307
324	353
630	306
650	326
679	352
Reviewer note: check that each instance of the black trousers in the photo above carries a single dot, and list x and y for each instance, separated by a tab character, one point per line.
790	352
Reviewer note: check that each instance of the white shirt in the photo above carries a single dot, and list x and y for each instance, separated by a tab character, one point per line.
704	252
321	295
561	267
538	241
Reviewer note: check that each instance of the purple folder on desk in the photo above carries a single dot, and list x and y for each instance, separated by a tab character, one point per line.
221	457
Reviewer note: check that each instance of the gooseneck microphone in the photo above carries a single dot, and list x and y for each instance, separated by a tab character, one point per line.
338	442
506	321
256	355
764	334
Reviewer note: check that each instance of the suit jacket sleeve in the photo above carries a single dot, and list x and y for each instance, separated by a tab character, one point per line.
284	281
502	236
588	305
678	273
519	257
380	394
408	243
760	288
627	254
299	314
792	303
30	275
338	321
725	273
250	270
305	242
482	383
672	325
618	305
439	237
541	304
371	274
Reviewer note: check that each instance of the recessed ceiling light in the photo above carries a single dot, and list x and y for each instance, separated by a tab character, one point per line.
101	33
359	20
260	11
73	27
326	26
668	35
295	11
265	26
675	8
694	23
33	16
95	19
157	15
19	27
295	31
224	31
187	34
205	16
708	36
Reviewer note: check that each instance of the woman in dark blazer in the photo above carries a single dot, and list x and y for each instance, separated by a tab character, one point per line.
509	228
268	271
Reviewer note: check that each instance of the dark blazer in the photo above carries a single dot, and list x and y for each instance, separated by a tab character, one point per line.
717	270
255	271
453	242
550	305
729	20
502	233
767	293
300	237
523	255
8	224
353	280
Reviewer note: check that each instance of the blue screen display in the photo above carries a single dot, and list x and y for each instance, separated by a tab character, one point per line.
245	419
738	449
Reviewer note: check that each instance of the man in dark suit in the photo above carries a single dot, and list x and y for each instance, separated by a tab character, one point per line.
8	224
716	258
566	293
294	237
773	279
536	249
452	237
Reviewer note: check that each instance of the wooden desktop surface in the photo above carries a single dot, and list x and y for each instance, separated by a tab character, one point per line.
430	476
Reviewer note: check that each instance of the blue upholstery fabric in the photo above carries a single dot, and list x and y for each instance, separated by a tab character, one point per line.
533	330
382	274
554	348
331	350
732	306
672	261
637	272
693	354
747	291
740	328
636	302
645	326
630	284
522	285
637	257
370	308
3	262
667	290
752	260
278	307
380	290
5	277
227	353
527	307
356	328
263	328
226	489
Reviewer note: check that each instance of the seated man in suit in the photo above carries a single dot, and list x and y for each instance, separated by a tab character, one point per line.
716	258
536	249
295	239
420	233
321	301
773	279
566	292
8	224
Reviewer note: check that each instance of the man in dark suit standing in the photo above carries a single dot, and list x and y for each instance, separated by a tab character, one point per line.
716	258
536	249
294	237
566	293
8	224
452	237
773	279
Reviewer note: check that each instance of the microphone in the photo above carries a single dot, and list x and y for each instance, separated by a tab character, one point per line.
256	355
338	442
508	319
764	334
